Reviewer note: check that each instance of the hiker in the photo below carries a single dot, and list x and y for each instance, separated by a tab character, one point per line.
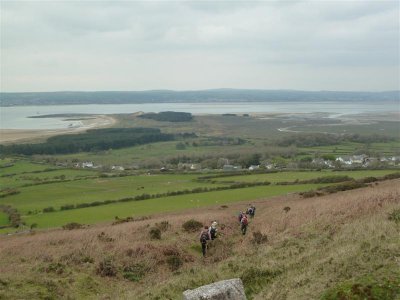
241	214
244	222
213	230
251	211
204	237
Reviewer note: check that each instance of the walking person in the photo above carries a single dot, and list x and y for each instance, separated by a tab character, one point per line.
213	230
251	210
204	237
244	222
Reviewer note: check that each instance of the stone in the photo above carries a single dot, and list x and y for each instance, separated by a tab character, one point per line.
231	289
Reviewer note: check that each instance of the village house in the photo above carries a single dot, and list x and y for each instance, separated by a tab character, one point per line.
254	167
231	168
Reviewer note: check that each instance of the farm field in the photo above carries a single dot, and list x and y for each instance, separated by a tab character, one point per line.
21	166
306	175
3	219
160	205
26	178
32	200
389	148
37	197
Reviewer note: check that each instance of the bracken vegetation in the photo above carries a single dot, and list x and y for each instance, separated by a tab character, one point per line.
337	246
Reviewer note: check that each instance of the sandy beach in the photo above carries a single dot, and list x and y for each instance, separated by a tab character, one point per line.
8	136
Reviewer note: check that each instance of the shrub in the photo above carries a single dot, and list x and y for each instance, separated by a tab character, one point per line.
174	262
369	179
309	194
107	268
56	268
67	206
73	225
192	225
395	216
104	238
343	187
135	272
48	209
163	226
259	238
155	233
392	176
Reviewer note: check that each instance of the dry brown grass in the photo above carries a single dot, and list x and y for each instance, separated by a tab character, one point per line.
343	219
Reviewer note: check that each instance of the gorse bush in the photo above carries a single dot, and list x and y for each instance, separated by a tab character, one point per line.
107	267
73	225
395	216
192	225
163	226
135	272
155	233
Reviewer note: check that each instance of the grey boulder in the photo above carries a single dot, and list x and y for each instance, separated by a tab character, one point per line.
231	289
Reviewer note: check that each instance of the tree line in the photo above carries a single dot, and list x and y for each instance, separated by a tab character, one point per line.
168	116
92	140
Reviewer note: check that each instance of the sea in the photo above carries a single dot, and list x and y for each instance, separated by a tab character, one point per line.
17	117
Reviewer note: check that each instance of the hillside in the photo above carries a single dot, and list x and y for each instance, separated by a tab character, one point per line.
339	246
166	96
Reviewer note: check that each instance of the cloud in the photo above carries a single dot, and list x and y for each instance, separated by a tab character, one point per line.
111	45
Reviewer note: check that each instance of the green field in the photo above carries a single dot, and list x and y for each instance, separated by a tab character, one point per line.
292	176
168	204
27	178
3	219
389	148
33	199
38	197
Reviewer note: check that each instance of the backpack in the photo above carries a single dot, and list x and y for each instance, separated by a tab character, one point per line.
213	232
245	221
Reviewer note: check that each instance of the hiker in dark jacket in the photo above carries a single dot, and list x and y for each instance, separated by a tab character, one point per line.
204	237
244	222
251	211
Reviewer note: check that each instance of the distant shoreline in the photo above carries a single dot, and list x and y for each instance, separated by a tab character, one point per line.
200	96
8	136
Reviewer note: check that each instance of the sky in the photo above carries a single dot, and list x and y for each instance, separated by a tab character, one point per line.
193	45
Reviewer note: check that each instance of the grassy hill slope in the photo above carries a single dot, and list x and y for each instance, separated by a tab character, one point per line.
340	246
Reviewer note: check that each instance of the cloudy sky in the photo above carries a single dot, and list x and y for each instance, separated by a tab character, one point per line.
186	45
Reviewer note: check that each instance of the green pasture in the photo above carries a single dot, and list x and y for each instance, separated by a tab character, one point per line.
89	190
19	180
3	219
104	213
21	166
348	148
292	176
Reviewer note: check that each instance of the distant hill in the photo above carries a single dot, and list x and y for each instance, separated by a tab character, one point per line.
165	96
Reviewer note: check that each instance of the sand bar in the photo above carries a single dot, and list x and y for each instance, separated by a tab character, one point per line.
8	136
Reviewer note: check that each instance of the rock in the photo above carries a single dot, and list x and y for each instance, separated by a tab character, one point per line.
231	289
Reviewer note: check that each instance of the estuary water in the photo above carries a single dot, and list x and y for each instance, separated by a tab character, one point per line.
17	117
